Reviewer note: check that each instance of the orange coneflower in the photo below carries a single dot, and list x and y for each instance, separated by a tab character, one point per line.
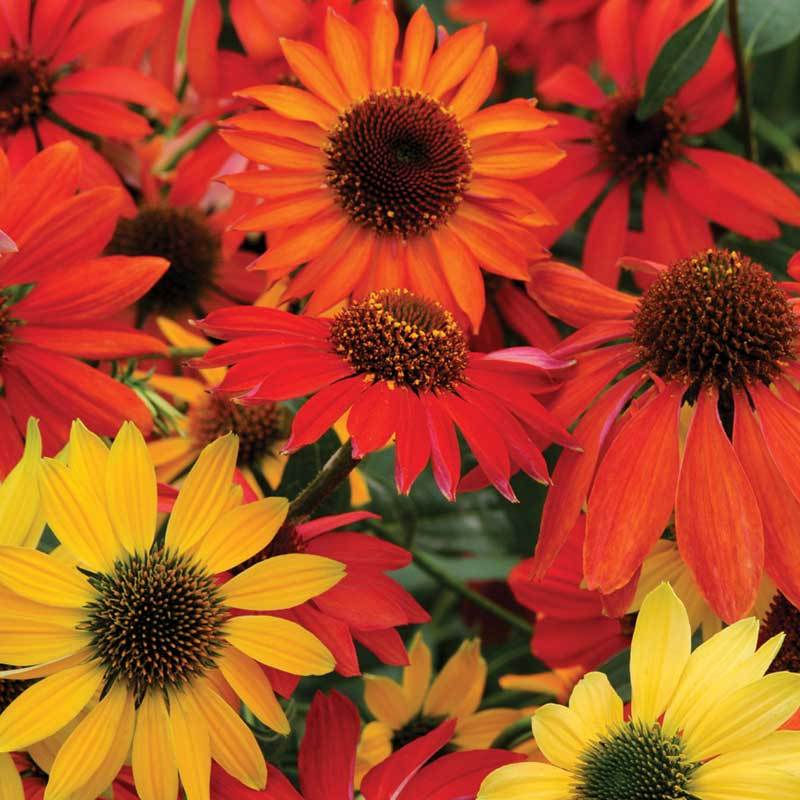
400	365
383	176
704	423
614	156
47	91
57	300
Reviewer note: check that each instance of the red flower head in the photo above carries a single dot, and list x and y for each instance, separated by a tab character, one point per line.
388	173
684	187
572	627
46	90
544	34
365	606
328	754
58	298
400	365
703	423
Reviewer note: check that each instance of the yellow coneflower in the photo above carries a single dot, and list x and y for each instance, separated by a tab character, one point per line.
148	625
703	725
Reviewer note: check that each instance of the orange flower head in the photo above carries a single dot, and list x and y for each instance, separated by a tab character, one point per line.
395	336
259	428
386	172
717	319
399	162
26	88
183	237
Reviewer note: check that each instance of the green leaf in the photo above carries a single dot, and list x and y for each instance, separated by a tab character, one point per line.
768	25
681	58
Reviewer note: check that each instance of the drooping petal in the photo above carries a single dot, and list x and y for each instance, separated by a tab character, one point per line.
153	757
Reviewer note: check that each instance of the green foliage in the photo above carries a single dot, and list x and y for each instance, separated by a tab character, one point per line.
681	57
768	25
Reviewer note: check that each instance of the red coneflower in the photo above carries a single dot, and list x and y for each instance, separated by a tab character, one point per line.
543	35
703	423
388	175
684	187
400	364
58	297
46	91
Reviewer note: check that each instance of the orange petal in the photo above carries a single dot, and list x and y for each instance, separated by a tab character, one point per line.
382	45
634	493
289	211
462	273
417	49
515	116
717	521
289	155
475	90
452	62
293	103
347	52
276	125
514	157
314	70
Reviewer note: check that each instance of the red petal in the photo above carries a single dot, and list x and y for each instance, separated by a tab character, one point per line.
605	240
445	455
322	410
327	758
100	116
10	440
780	511
315	527
373	418
412	441
307	374
591	335
574	85
94	343
633	494
574	471
588	642
717	521
386	780
385	644
457	775
237	321
360	551
279	786
120	83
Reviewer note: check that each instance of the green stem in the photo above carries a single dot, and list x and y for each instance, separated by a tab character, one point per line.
327	480
177	353
191	143
742	85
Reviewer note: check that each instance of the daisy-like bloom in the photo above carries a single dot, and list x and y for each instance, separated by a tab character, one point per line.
405	711
703	724
47	90
385	175
684	187
148	625
572	627
544	34
400	364
703	424
57	300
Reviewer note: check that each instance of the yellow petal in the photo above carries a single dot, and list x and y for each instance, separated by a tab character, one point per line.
387	701
779	750
47	668
88	457
192	744
233	745
526	780
282	582
39	577
48	706
77	517
20	502
248	680
10	782
746	716
560	735
87	747
417	675
596	705
272	467
178	336
704	678
457	690
479	730
31	641
280	643
659	651
204	494
241	533
744	781
153	757
189	390
374	746
131	490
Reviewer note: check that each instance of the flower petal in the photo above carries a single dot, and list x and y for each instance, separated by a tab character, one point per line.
153	757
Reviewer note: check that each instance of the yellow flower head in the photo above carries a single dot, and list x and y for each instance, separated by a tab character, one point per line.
703	724
137	628
416	706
